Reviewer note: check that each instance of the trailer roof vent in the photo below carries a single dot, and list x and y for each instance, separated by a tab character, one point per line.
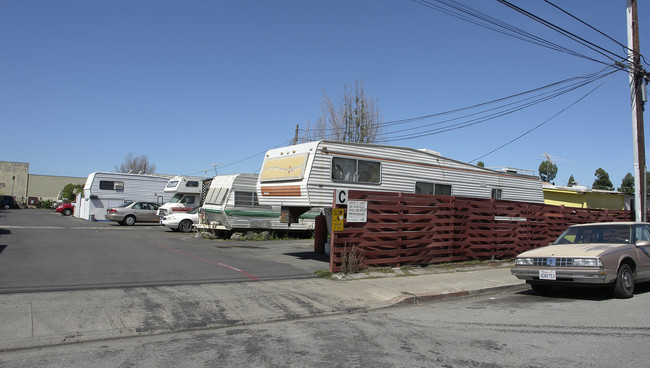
430	151
509	170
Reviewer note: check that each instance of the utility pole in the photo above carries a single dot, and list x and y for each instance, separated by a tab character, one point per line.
637	75
295	137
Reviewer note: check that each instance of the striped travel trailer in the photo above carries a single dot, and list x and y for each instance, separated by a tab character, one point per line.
305	176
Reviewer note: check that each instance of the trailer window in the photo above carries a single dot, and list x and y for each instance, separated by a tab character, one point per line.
246	199
423	188
432	188
443	189
497	193
172	183
192	184
111	185
216	195
347	169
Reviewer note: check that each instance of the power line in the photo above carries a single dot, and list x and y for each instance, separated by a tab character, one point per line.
551	89
489	110
575	82
564	32
284	143
627	49
587	24
538	125
488	114
476	17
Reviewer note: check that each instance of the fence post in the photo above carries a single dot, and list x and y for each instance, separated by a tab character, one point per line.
400	224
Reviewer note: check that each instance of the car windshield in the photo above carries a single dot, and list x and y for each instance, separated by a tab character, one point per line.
177	197
125	204
596	234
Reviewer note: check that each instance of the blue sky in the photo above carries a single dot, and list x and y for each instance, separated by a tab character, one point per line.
195	83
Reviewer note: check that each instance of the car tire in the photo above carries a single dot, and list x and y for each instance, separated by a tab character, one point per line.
6	206
623	287
185	226
129	221
67	212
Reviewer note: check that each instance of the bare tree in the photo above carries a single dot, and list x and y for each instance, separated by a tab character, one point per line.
136	165
355	118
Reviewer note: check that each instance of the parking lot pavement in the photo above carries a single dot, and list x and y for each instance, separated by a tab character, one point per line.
57	317
44	251
40	319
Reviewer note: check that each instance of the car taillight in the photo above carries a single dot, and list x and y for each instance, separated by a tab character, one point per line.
111	210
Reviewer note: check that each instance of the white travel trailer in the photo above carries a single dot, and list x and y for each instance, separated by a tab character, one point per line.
187	194
232	204
106	189
305	176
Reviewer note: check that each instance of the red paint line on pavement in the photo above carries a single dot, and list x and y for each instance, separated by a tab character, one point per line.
209	261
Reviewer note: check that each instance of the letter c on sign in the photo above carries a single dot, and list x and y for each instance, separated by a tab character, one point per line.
341	196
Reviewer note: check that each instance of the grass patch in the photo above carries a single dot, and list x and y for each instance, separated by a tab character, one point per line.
325	274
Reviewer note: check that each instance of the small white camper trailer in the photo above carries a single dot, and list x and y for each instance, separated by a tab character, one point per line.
106	189
305	176
232	204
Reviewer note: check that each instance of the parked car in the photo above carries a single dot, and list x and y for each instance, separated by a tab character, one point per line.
66	209
131	212
181	221
7	202
613	254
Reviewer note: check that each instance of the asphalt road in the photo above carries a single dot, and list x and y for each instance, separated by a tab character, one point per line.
567	329
43	251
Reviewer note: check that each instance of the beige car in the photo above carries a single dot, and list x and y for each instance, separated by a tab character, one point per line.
612	254
131	212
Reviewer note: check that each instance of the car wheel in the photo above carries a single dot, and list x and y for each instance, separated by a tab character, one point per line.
67	212
624	285
6	206
185	226
129	221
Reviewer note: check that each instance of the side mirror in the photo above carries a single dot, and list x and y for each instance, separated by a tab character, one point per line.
643	243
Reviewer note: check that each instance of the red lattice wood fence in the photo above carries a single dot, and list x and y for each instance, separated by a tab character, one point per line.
405	228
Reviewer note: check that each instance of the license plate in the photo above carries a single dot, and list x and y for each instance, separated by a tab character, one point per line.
547	274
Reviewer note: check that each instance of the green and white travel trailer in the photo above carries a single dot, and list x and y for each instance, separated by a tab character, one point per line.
231	204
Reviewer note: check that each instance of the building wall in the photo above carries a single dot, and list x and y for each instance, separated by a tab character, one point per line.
14	177
586	199
609	201
48	187
26	186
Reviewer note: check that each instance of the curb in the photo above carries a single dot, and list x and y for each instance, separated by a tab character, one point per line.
433	297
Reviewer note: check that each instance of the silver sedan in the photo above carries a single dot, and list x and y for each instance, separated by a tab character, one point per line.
131	212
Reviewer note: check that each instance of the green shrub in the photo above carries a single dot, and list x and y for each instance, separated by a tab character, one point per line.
44	204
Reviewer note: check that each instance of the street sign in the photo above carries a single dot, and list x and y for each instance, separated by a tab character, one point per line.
337	219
